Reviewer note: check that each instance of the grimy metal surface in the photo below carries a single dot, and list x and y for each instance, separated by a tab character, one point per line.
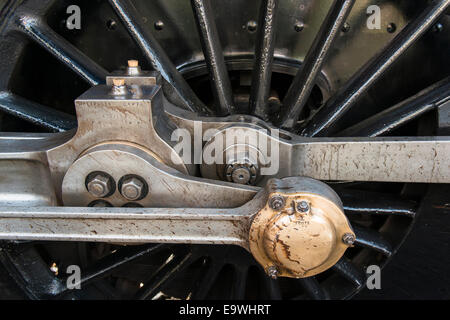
419	160
125	225
399	159
309	220
166	186
25	183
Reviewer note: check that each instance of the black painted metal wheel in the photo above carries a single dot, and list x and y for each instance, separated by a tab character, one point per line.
42	63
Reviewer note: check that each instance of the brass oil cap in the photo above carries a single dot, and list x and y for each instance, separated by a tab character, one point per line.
299	232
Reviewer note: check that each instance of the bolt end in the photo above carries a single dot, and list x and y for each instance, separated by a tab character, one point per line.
349	239
272	272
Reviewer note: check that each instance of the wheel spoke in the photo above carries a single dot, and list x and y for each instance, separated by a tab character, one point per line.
373	240
313	289
156	55
112	262
351	272
402	113
273	288
35	113
60	48
366	202
207	277
304	81
262	69
108	290
212	50
324	121
164	275
35	275
239	283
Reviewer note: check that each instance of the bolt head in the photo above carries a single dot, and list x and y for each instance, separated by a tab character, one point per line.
303	206
119	88
132	188
159	25
346	27
118	82
133	63
133	67
272	272
391	28
276	202
299	26
241	175
252	26
99	186
242	172
438	27
349	239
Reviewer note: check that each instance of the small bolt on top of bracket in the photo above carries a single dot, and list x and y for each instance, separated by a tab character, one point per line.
119	88
133	67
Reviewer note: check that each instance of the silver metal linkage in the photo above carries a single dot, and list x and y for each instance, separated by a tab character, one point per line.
124	225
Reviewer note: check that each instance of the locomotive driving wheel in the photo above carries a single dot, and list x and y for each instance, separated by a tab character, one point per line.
360	111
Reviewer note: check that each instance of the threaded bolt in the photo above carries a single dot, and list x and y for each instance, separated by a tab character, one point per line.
303	206
349	239
119	88
276	202
272	272
133	67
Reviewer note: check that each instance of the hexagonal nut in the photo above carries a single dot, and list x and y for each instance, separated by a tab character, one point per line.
132	188
272	272
302	206
99	186
349	239
276	202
